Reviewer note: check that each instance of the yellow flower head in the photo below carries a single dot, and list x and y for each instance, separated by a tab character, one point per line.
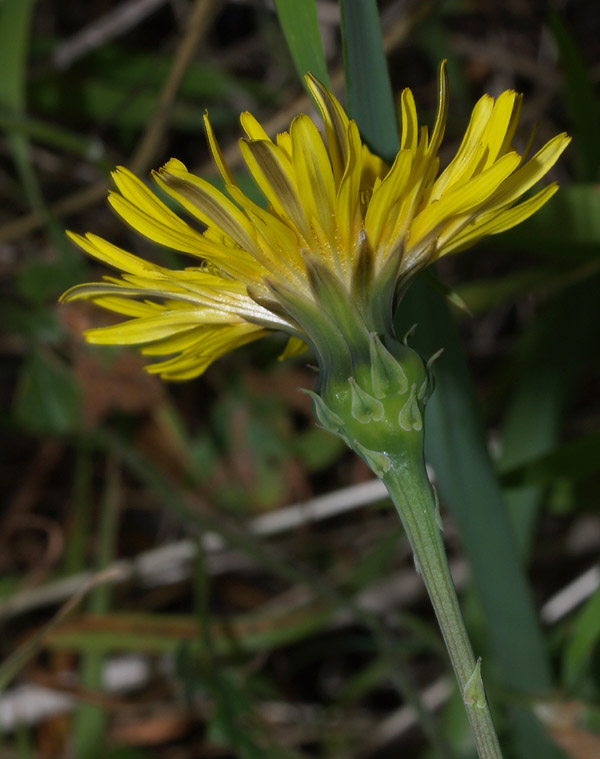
340	238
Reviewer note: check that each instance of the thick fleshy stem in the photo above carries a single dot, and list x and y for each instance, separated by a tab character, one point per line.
414	499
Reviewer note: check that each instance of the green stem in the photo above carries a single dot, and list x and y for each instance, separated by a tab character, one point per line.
414	499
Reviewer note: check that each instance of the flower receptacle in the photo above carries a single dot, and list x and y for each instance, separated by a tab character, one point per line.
379	411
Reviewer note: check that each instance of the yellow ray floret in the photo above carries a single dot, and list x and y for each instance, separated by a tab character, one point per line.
340	226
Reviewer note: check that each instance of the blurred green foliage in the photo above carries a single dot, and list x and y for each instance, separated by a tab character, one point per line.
240	442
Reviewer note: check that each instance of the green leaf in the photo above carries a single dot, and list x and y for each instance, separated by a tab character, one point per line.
452	295
115	85
369	93
585	636
48	399
455	445
300	27
455	441
43	281
15	22
548	363
573	460
90	720
483	294
318	449
15	29
32	322
24	741
54	136
582	101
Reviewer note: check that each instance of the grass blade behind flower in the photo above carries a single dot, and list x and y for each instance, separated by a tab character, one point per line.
580	97
541	391
457	447
301	30
368	89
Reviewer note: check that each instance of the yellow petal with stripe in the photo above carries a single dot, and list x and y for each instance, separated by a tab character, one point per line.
463	198
274	175
341	236
336	126
313	174
206	203
496	222
112	255
211	343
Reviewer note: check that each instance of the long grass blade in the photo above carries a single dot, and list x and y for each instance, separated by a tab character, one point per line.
300	27
15	23
15	31
90	720
455	444
14	663
368	89
549	362
581	100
